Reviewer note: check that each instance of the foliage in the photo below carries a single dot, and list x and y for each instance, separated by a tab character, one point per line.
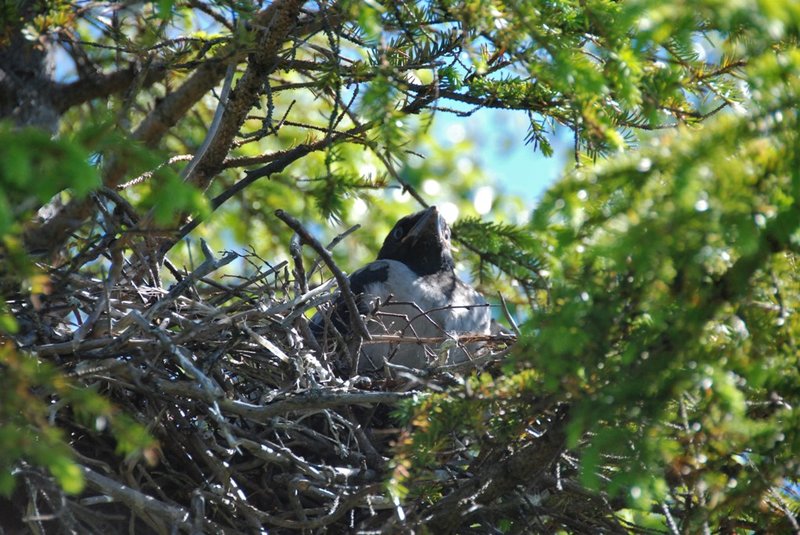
32	392
34	169
673	278
671	273
655	380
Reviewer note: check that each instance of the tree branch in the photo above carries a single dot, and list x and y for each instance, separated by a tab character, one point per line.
277	21
145	505
103	85
344	283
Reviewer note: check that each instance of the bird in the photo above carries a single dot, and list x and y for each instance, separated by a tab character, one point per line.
411	289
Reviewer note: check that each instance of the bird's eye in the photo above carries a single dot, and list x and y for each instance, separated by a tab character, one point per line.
397	233
447	234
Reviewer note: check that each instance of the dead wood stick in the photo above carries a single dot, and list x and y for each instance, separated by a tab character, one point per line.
314	400
334	242
344	283
180	355
466	338
69	348
209	265
341	505
171	515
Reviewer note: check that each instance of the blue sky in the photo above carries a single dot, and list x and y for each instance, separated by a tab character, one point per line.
517	167
512	166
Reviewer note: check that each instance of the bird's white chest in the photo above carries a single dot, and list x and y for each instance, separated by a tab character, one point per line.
416	307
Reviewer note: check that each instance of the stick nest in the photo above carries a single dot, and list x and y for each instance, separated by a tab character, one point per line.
257	428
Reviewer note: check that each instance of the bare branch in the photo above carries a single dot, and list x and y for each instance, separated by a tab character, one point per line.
102	86
341	278
172	515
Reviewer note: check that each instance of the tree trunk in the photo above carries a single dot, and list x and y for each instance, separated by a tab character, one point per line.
26	70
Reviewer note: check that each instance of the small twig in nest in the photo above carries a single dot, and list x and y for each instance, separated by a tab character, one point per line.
344	283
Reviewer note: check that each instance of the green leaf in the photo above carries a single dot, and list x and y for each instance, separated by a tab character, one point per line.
164	9
171	196
8	324
68	474
7	483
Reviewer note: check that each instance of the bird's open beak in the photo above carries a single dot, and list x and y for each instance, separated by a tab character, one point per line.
429	222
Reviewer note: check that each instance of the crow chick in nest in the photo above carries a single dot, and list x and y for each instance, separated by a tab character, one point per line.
412	290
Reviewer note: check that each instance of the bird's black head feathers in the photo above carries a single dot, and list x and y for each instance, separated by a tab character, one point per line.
421	241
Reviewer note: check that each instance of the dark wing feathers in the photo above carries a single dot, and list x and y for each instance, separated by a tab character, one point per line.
369	274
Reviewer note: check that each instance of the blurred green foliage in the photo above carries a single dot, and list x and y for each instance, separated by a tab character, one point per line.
34	168
30	393
671	272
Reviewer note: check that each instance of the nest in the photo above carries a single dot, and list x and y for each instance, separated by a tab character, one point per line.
258	428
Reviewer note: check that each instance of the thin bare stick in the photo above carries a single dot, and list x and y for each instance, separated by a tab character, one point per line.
466	338
334	242
507	314
215	123
144	504
344	283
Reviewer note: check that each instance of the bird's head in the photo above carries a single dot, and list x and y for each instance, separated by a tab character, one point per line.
421	241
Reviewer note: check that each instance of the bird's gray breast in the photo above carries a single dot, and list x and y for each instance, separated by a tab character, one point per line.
417	307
